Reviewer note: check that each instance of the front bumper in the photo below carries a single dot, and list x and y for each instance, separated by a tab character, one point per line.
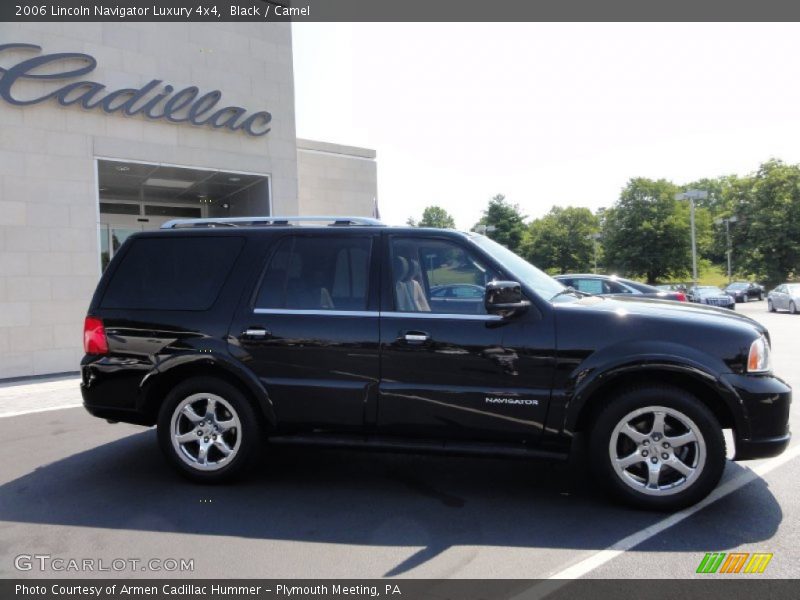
765	401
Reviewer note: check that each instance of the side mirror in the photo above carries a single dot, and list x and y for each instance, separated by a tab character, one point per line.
504	298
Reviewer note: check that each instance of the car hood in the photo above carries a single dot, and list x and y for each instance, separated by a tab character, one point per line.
665	309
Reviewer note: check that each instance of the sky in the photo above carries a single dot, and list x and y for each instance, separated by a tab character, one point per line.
546	114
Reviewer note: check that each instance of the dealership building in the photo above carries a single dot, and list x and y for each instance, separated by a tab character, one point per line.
107	129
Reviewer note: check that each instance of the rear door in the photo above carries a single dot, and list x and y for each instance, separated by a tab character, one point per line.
310	329
449	370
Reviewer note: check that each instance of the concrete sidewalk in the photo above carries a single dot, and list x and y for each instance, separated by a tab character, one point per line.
39	394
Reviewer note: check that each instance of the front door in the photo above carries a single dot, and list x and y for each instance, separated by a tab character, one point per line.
449	370
310	332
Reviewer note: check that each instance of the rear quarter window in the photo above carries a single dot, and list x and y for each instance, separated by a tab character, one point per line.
182	273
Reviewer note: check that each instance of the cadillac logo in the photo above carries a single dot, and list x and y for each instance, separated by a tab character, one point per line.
154	100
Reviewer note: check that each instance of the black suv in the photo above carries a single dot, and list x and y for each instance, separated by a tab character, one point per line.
226	333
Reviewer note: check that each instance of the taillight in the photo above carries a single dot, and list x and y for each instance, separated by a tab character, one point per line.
94	336
680	297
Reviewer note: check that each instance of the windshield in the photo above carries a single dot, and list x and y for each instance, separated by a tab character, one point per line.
544	285
737	286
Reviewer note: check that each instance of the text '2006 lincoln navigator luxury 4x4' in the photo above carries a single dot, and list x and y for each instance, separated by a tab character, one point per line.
228	332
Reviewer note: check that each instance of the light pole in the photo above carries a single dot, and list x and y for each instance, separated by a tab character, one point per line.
594	237
691	196
728	248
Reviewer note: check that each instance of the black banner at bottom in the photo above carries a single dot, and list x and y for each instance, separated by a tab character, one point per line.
733	588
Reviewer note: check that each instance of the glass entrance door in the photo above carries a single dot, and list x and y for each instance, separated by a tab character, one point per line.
112	236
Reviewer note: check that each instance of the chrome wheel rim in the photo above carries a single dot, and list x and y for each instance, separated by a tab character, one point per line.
205	431
657	451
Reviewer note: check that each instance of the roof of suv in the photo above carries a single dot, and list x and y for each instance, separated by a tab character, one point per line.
250	224
265	221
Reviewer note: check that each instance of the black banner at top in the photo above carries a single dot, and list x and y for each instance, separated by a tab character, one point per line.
399	10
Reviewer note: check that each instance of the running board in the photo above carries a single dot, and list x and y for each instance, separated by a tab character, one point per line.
391	444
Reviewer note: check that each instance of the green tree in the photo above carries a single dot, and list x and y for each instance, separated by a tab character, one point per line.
504	223
434	216
562	241
766	239
646	233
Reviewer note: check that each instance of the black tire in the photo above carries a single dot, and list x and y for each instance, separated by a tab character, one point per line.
760	296
792	308
678	402
249	433
770	306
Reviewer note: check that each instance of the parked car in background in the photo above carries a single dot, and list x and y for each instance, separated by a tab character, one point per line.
463	298
744	291
784	297
611	285
713	296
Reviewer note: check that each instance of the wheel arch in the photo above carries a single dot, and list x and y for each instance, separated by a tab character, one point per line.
156	385
709	390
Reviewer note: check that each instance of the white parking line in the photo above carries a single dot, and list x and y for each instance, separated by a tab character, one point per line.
39	395
603	556
31	411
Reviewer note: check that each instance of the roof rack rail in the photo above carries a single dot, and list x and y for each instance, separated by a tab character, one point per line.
269	221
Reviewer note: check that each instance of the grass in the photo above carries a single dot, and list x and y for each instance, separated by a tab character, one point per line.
708	274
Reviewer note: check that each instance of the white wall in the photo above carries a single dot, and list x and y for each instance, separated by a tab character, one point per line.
335	179
49	261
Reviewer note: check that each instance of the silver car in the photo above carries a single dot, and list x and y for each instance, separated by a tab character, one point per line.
784	297
713	296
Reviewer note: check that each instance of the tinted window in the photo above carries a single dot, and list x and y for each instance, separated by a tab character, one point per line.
457	277
317	273
182	273
643	287
615	287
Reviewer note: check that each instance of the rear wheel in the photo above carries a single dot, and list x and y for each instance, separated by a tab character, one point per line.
208	430
657	447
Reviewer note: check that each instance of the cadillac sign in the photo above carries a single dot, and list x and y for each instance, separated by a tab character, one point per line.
153	100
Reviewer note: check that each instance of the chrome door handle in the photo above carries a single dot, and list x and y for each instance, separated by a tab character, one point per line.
416	337
255	333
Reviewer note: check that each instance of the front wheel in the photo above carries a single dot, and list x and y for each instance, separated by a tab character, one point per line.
792	308
207	429
657	447
770	306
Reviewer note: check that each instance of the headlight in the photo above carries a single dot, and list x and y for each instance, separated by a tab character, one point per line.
758	359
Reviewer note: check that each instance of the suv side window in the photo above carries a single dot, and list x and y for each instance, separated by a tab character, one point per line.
172	273
317	273
437	276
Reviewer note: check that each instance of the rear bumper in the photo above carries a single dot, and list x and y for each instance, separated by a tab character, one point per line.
111	389
765	401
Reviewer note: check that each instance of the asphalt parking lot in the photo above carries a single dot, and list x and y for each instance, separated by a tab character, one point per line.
75	487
